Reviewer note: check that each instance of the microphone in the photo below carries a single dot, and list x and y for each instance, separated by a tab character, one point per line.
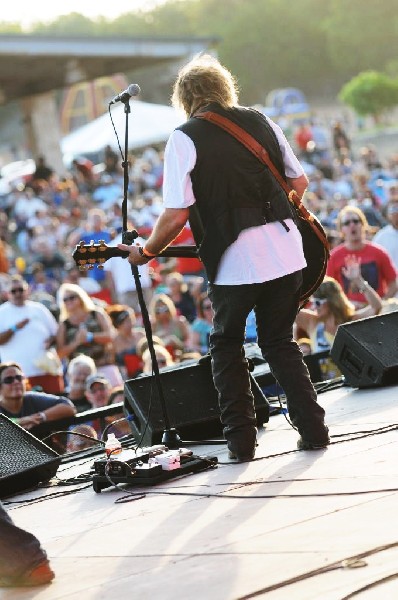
133	90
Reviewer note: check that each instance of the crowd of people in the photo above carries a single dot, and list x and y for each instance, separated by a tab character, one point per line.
70	338
79	335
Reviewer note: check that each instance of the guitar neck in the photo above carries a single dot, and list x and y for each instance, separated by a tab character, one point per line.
89	255
180	252
171	251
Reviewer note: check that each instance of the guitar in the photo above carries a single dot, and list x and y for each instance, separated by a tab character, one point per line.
87	256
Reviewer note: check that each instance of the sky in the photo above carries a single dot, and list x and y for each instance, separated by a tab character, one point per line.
27	12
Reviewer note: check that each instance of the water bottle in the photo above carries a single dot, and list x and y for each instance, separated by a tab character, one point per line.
112	445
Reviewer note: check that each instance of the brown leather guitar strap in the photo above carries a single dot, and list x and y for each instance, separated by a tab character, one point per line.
257	149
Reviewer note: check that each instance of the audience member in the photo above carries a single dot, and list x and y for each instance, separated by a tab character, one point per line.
85	328
183	300
120	281
80	437
202	325
305	345
376	265
302	137
341	141
387	237
126	339
41	281
28	332
29	409
120	425
79	370
42	171
97	231
188	267
330	308
163	358
108	191
174	330
74	275
4	262
98	390
45	252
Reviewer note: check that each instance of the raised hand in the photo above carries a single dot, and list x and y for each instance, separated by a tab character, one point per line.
352	269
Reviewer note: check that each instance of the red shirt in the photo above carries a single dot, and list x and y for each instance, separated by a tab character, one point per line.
302	137
376	268
187	265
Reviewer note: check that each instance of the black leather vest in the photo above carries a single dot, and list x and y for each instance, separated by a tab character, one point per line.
233	189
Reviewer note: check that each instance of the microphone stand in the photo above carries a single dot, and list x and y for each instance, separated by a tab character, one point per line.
170	437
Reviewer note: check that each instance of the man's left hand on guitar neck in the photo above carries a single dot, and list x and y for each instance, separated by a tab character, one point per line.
167	227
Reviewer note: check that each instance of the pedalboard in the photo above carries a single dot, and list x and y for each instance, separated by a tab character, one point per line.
153	465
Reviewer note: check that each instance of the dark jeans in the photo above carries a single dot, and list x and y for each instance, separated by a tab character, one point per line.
275	304
20	551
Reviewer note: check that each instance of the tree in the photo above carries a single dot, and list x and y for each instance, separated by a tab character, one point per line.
370	93
361	35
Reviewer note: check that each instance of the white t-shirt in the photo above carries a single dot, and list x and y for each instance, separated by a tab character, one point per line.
26	345
387	237
121	270
260	253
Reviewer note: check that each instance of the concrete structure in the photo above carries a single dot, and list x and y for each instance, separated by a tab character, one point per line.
32	67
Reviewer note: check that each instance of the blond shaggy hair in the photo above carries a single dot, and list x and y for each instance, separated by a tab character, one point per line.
201	81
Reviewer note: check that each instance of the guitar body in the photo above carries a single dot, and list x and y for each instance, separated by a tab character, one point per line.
316	254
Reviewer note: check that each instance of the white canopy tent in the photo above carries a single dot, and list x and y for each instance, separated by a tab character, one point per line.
147	123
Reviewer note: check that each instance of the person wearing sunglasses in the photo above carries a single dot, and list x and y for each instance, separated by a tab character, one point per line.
29	408
173	329
85	328
330	307
377	268
27	332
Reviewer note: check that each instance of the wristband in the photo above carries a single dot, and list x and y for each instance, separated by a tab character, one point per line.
43	416
13	328
144	253
363	287
89	336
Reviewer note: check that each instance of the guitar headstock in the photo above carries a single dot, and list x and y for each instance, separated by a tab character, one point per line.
87	256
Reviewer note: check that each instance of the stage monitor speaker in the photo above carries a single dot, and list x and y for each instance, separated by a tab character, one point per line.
366	351
191	401
25	461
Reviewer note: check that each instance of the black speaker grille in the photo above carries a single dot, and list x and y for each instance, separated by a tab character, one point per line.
366	351
379	336
24	460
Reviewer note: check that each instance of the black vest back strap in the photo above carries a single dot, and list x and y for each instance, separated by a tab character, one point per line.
260	152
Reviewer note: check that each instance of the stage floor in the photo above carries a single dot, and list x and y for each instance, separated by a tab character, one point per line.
316	525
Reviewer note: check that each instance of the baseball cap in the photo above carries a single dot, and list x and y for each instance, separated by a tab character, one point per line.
96	379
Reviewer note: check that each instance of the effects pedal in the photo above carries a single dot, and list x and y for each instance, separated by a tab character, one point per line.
153	465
